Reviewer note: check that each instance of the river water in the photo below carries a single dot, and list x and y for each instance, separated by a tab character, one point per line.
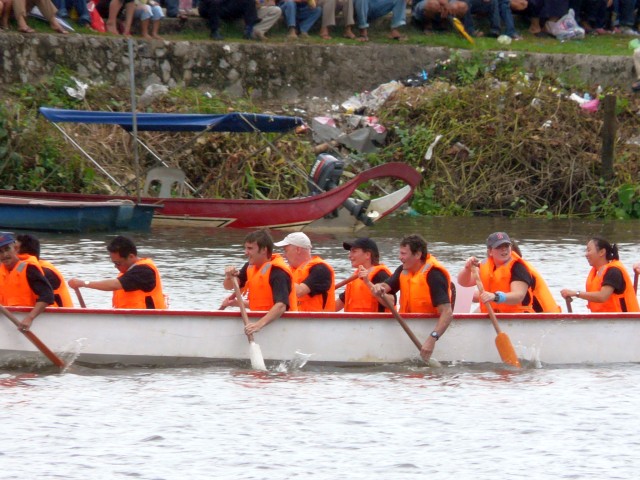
385	422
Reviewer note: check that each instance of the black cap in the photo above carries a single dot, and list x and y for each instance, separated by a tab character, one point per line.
364	243
498	238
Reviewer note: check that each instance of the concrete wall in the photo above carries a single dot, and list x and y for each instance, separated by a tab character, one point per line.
265	70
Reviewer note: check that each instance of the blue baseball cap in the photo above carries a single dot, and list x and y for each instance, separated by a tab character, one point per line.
6	238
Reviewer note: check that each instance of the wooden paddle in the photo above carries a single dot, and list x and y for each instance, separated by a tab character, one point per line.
569	300
457	24
503	343
255	354
33	339
80	299
342	283
432	361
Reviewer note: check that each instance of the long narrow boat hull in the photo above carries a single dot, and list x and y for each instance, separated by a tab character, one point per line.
304	213
135	337
45	215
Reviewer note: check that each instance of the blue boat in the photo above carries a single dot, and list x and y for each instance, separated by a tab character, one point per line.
36	214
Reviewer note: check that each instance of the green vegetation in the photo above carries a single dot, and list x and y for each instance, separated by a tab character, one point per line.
501	142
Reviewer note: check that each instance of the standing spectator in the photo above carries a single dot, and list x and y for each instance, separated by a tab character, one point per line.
228	10
369	10
329	9
299	15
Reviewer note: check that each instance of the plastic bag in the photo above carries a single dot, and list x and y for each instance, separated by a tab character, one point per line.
566	28
97	22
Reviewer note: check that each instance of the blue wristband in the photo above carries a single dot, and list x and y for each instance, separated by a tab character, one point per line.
501	297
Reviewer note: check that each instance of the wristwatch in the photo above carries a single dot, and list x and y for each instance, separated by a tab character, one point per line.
578	292
86	283
435	335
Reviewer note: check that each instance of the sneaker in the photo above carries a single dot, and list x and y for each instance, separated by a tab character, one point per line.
629	31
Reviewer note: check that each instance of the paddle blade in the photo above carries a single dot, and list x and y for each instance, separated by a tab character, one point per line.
255	354
506	350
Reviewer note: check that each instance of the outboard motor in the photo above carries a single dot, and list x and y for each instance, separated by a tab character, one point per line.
325	175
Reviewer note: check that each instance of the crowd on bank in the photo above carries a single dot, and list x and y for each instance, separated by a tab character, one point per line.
297	280
300	16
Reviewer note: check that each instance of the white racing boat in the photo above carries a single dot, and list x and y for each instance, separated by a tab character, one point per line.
172	338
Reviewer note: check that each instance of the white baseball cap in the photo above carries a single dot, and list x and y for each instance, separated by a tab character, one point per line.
297	239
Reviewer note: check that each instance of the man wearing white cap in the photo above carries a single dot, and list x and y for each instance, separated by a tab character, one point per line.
313	278
22	281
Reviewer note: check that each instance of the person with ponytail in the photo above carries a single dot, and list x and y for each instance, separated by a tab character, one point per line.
608	287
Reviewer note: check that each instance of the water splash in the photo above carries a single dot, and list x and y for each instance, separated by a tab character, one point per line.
298	361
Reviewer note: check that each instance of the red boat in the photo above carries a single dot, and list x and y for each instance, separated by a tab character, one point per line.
329	208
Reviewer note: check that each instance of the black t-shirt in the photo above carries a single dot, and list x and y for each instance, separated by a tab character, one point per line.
613	278
436	280
138	277
319	281
520	273
379	277
279	281
40	285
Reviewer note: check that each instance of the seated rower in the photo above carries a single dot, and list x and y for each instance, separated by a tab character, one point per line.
424	286
137	286
266	278
22	281
313	278
358	296
608	287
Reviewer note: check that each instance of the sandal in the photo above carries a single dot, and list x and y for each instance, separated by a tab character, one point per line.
400	38
363	38
26	30
350	35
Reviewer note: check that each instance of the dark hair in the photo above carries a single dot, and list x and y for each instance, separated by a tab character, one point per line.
262	238
416	244
29	245
123	246
516	248
600	243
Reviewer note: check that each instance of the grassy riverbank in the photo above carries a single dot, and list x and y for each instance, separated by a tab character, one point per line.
512	143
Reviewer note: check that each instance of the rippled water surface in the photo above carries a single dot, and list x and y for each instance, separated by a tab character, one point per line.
385	422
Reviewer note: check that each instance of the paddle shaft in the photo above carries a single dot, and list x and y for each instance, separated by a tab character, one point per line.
33	339
243	310
80	298
401	321
635	283
342	283
569	300
492	314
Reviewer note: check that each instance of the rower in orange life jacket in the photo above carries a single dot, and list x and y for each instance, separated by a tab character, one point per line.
365	258
265	278
424	286
508	283
30	245
608	286
137	286
313	278
22	281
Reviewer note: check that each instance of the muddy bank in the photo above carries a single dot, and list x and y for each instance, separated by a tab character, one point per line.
271	71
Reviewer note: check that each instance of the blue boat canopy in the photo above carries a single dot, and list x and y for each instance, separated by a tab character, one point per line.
178	122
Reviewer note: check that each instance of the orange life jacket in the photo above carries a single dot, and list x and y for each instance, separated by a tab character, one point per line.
14	286
137	298
415	295
499	279
260	292
541	293
62	292
357	296
623	302
307	303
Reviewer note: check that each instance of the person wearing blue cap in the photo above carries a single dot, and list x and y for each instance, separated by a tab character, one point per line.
22	281
508	283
